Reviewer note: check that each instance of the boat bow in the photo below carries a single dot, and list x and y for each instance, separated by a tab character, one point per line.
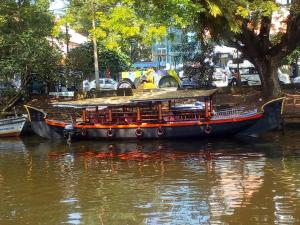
271	119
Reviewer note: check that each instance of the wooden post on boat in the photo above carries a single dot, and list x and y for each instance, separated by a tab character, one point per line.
109	115
210	106
206	108
138	114
159	106
170	104
213	104
84	116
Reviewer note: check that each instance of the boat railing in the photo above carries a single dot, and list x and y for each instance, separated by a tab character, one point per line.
183	115
233	113
151	115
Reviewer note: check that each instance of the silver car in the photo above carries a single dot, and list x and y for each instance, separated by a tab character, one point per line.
105	84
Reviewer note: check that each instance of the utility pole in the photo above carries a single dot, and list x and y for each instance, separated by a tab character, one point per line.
68	50
67	37
96	64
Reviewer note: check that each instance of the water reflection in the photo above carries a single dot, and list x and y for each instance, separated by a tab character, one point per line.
154	182
8	145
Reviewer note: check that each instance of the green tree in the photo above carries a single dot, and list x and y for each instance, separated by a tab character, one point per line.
81	59
198	59
119	25
292	60
243	24
25	46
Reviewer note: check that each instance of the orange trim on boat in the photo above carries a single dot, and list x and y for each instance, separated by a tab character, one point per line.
55	123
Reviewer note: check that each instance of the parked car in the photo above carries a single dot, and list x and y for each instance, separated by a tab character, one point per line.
186	83
249	74
283	77
296	80
105	84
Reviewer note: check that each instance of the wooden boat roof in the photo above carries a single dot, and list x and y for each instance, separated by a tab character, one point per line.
139	97
173	95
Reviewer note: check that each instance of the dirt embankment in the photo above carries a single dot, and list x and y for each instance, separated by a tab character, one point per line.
247	96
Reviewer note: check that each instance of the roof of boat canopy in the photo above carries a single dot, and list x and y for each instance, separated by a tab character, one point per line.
138	97
173	95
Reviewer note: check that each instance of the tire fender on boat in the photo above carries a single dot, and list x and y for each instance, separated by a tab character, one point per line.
208	129
160	132
139	133
110	133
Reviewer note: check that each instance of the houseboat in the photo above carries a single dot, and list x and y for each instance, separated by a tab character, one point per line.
152	115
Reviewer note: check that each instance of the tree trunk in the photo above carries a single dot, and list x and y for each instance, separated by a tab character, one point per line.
267	69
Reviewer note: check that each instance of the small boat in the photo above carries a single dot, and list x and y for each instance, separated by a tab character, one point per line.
153	115
12	127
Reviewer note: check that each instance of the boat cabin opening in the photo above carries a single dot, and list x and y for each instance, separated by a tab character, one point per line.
180	106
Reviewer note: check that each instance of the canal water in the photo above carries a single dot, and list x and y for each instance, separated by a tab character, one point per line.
218	181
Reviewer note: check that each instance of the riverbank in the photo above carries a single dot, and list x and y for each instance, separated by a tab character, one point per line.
247	96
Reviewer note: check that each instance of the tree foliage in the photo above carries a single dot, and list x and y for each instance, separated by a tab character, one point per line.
120	26
243	24
198	59
25	46
81	59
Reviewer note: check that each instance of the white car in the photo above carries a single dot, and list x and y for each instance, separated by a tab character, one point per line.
296	80
105	84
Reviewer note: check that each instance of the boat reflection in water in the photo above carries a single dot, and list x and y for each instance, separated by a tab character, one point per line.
201	181
12	145
148	182
154	150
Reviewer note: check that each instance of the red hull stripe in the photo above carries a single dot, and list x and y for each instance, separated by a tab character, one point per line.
145	125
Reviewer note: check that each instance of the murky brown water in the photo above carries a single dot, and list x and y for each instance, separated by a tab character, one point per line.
254	181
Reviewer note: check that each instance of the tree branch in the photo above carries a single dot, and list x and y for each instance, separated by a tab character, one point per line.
291	39
264	33
250	44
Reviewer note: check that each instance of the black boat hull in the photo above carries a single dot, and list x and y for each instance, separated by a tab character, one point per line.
37	118
271	119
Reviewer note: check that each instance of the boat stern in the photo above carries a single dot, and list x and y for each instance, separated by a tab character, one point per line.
37	118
